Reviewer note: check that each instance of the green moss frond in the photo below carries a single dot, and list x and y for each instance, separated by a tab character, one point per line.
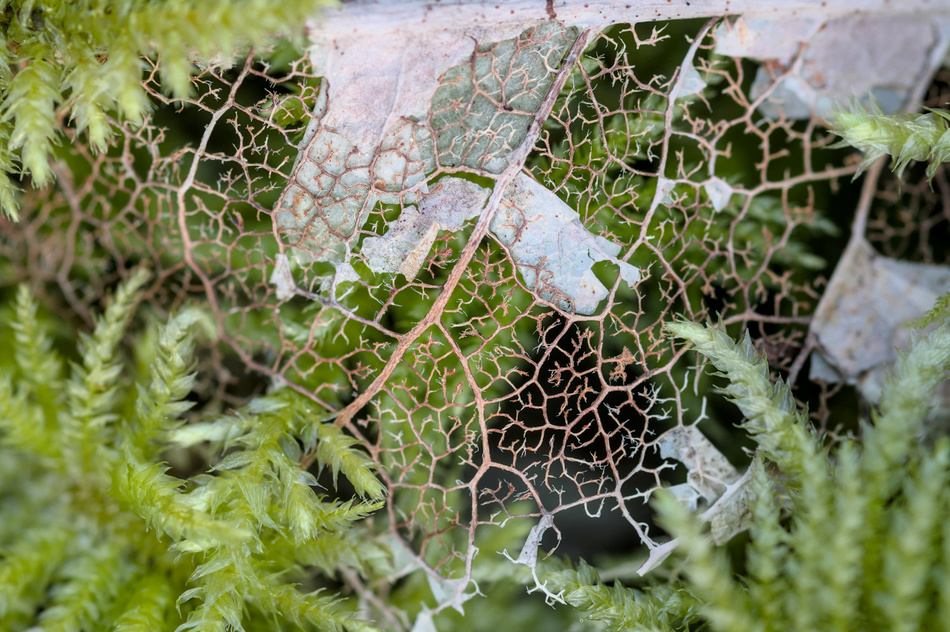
903	408
904	136
93	389
312	609
221	433
148	607
87	55
23	421
849	532
30	104
767	543
725	604
941	571
336	449
156	498
144	485
227	578
866	547
328	517
8	190
161	398
30	397
769	409
910	541
88	583
352	548
905	404
619	608
91	93
39	365
936	314
222	582
26	569
225	542
262	445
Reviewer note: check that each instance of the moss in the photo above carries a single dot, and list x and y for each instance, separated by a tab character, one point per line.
866	545
102	536
86	59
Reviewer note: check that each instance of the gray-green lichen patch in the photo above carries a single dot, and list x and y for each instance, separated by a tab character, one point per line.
483	106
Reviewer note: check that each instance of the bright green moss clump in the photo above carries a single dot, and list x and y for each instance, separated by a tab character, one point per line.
97	535
867	546
85	58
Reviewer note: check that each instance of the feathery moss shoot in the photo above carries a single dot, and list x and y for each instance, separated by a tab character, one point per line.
85	59
97	534
868	546
904	136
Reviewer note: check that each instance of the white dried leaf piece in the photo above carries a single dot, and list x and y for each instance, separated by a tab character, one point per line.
719	192
861	320
424	622
405	246
282	278
710	476
529	551
708	471
553	250
880	54
450	592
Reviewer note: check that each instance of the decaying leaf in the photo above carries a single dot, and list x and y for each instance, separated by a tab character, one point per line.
829	61
502	373
482	108
553	250
724	490
709	476
861	320
405	246
390	105
728	516
335	183
708	471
